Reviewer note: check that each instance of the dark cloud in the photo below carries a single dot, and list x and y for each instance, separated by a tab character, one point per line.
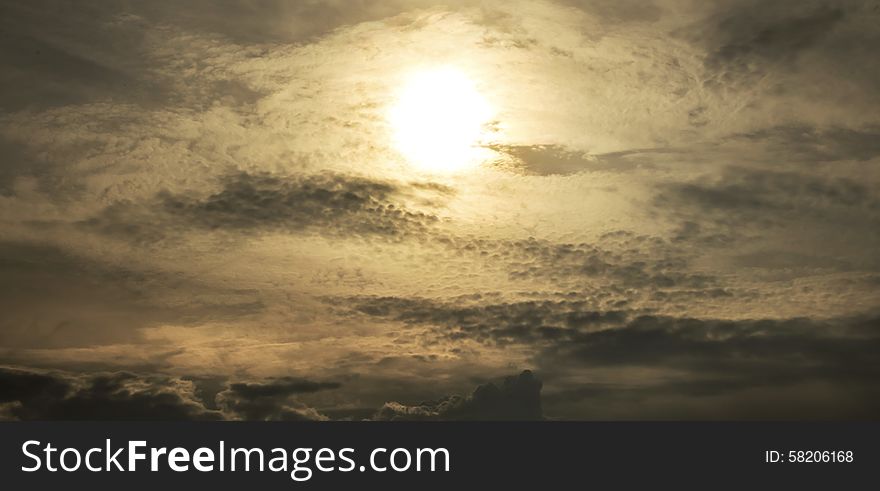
281	387
803	346
597	282
272	399
790	47
549	160
618	260
708	357
49	60
698	234
325	204
63	77
792	362
749	35
333	203
811	144
19	162
821	222
614	11
745	40
743	194
32	394
265	21
19	385
787	260
29	395
502	323
52	297
518	398
663	268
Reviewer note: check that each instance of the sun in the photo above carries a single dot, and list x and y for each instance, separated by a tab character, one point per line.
439	121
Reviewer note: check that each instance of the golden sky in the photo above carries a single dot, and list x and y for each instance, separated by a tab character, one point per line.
333	209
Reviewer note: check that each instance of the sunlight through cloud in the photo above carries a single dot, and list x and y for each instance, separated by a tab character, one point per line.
440	120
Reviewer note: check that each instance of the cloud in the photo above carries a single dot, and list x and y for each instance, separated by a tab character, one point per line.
54	297
558	160
332	205
657	358
790	143
279	21
17	163
728	369
281	387
619	11
34	395
803	143
517	399
573	331
272	400
746	37
616	260
745	41
805	346
47	62
744	194
787	260
821	219
502	323
783	62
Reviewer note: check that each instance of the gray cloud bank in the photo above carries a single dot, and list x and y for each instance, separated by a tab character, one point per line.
704	358
27	394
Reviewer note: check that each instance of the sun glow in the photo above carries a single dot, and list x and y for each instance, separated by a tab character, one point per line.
440	121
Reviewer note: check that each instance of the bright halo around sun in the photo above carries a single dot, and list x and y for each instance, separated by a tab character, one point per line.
440	120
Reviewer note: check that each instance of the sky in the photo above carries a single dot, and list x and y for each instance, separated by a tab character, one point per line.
407	209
